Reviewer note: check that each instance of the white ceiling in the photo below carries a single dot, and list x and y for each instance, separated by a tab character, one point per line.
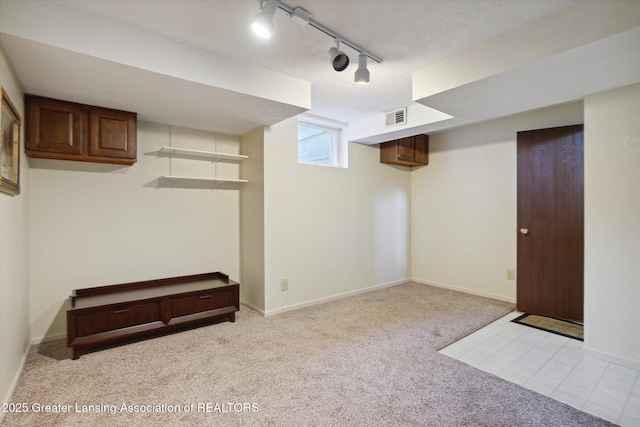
195	63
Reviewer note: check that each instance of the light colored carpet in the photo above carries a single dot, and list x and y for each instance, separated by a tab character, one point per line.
366	360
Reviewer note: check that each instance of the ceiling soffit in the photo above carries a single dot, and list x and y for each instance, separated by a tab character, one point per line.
49	44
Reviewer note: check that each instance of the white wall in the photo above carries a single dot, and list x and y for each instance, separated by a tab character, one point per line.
612	228
331	231
463	204
14	257
96	224
252	221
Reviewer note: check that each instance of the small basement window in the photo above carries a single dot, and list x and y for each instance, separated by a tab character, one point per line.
320	143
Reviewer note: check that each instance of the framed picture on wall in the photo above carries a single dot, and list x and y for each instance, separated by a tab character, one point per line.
9	146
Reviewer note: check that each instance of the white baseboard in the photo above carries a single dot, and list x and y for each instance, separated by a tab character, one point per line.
14	383
334	297
465	290
252	307
612	358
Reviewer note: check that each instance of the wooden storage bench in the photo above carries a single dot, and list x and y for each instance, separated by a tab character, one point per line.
106	315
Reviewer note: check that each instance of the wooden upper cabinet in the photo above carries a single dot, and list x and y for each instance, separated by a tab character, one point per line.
421	149
112	134
405	150
410	151
53	127
69	131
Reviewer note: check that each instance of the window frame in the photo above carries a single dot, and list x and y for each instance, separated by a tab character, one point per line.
339	149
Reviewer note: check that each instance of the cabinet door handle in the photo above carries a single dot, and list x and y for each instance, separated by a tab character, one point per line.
205	296
120	311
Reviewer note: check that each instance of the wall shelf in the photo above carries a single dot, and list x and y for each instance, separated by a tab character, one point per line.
200	182
204	180
204	155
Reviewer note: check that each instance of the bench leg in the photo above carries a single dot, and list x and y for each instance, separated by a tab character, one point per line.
77	352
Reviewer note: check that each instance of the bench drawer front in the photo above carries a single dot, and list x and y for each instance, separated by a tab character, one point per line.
204	301
117	318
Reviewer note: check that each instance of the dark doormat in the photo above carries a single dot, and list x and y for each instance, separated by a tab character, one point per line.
565	328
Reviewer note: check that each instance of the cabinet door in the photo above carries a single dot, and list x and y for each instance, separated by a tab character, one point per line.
205	301
405	149
421	149
112	134
54	126
117	317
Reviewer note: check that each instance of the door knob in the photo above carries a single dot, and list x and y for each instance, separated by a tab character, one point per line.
524	231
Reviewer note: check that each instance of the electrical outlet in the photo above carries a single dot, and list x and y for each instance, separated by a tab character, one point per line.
284	284
511	274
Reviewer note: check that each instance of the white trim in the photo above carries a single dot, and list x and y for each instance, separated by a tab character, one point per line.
319	125
339	147
313	119
335	297
612	358
465	290
252	307
14	383
326	165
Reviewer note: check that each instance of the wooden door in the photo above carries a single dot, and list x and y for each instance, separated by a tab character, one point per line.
54	126
421	149
551	222
113	133
405	149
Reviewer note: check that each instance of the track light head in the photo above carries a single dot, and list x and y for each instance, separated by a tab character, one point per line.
339	60
262	24
362	73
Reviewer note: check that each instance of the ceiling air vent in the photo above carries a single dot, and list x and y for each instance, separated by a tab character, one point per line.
397	117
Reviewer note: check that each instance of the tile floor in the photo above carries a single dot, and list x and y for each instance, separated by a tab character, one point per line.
555	366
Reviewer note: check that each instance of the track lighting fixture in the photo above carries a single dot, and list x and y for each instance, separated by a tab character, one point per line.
339	60
362	73
262	24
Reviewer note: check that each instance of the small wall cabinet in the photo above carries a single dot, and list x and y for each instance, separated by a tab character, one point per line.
69	131
410	151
